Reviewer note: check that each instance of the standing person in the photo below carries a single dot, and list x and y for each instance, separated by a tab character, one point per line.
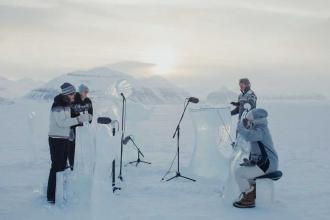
80	105
262	160
247	96
60	122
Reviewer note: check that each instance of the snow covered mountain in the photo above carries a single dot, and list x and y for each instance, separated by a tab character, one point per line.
105	83
4	101
10	89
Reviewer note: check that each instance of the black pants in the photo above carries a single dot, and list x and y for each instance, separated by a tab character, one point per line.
71	152
58	154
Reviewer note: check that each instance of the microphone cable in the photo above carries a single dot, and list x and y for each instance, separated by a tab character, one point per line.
169	170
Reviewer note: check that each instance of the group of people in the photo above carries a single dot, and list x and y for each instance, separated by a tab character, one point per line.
71	109
253	127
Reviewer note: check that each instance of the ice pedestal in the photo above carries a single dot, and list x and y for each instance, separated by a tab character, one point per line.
61	193
106	146
231	191
31	137
106	152
85	151
210	156
265	192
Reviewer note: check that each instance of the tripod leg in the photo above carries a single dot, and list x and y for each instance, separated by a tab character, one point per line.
172	178
188	178
131	162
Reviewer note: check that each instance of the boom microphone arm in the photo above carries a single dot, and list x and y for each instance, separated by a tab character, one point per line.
188	100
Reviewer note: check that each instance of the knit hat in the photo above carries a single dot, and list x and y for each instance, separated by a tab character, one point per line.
83	88
256	113
68	89
245	81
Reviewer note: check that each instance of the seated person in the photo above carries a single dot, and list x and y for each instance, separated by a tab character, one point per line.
263	158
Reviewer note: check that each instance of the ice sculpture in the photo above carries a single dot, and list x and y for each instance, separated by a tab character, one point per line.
106	146
31	138
240	150
107	150
212	146
90	182
85	150
213	154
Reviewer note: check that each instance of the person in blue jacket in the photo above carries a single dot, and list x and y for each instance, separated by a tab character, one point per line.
263	157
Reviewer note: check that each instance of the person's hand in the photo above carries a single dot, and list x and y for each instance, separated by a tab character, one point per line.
83	118
248	163
245	122
235	103
90	117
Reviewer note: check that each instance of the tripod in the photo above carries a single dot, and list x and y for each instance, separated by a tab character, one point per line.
136	162
123	126
177	134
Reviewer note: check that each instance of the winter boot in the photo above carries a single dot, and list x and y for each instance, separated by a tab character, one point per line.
247	199
51	201
254	191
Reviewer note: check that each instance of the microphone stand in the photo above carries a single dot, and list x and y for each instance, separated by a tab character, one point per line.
139	153
177	134
123	118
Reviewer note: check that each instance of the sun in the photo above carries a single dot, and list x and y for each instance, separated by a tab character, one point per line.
164	60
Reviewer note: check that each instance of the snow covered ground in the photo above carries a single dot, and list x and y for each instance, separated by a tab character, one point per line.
300	132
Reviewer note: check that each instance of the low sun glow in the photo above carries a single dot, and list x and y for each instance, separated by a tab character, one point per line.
164	60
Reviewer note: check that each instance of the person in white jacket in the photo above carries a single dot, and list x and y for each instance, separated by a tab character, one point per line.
60	122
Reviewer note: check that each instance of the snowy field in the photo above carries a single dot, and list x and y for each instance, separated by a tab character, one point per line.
301	136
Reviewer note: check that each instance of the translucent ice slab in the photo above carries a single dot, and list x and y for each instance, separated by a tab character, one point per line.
212	147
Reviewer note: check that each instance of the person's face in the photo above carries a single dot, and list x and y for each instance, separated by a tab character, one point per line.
242	86
247	123
84	95
71	97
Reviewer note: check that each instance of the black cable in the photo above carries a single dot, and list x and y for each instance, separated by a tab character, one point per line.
169	170
176	154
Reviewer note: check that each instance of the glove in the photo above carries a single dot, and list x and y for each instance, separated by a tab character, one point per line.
245	122
235	103
90	117
248	163
83	118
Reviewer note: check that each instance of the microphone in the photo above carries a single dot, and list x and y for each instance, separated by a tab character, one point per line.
122	94
126	140
104	120
193	100
113	125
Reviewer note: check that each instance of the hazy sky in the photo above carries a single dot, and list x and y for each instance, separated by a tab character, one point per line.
44	38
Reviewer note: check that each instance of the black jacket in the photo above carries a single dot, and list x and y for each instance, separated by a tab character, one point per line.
60	101
80	106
